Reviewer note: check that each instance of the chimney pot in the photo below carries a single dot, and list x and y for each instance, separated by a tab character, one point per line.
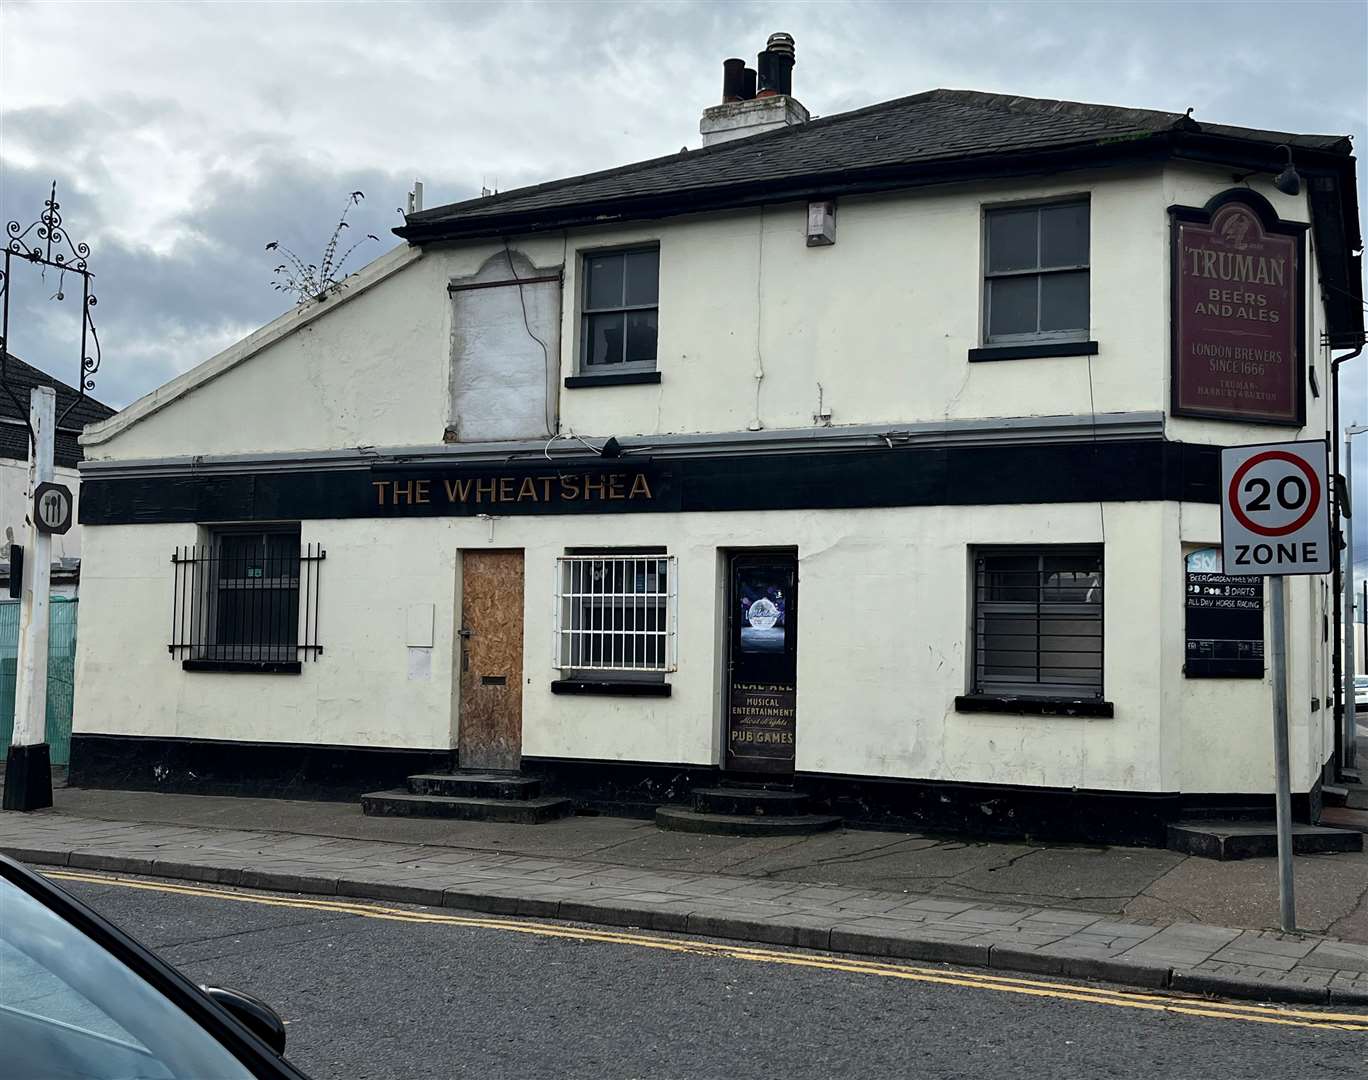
780	43
775	66
748	79
733	80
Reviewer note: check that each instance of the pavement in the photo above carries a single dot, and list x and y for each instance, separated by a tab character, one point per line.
1131	915
385	991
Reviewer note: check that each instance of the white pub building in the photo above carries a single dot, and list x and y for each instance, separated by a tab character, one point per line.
868	464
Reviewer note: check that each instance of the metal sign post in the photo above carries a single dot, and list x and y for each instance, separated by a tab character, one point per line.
1282	765
1275	522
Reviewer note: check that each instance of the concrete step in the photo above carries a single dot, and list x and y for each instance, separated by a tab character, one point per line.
515	811
1344	817
749	801
1356	796
682	819
475	785
1226	840
1333	795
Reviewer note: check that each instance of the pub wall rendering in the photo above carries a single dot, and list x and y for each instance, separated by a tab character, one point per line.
752	323
881	649
759	335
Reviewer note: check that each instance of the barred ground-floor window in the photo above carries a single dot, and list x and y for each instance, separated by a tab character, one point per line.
616	611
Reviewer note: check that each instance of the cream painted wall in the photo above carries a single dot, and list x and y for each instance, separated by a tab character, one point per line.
752	324
1225	725
14	507
881	654
755	328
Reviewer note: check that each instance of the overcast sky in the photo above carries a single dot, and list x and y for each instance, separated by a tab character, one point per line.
183	137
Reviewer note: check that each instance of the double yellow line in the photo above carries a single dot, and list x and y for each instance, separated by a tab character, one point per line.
1165	1003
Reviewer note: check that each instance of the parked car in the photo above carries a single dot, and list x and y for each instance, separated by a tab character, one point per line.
1361	693
81	1000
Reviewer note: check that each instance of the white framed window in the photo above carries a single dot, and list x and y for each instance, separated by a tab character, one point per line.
619	304
1036	275
616	611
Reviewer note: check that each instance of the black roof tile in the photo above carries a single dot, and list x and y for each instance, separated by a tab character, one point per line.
938	125
21	379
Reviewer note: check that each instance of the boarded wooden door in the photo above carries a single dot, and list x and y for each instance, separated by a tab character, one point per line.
491	660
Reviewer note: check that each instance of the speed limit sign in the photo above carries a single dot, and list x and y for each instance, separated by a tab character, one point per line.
1275	509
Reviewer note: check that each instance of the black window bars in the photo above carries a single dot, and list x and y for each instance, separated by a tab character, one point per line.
247	601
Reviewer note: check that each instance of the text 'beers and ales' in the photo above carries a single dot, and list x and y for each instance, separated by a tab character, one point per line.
1236	347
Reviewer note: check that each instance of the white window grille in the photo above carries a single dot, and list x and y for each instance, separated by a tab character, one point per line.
616	613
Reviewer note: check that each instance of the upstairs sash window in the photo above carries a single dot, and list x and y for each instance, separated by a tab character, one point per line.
620	302
1036	277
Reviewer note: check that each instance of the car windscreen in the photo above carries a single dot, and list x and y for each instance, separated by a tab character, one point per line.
69	1010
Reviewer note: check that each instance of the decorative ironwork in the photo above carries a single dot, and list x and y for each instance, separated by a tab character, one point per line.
46	243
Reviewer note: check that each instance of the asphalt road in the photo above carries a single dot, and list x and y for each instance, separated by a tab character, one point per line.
370	996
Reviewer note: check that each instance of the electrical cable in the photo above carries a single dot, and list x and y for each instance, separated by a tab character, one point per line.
527	325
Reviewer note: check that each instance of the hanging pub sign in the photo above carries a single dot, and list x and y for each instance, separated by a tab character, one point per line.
1223	621
1238	303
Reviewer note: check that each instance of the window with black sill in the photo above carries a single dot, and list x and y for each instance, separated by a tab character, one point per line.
616	616
246	600
1036	274
619	303
1038	623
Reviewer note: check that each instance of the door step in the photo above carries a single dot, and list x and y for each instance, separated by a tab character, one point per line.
749	801
469	796
739	810
1355	796
400	803
1345	817
1334	795
476	785
681	819
1226	840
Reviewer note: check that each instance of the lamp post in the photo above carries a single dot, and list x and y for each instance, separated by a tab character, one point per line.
1350	724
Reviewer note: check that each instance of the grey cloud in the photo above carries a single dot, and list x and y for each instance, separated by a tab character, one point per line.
197	133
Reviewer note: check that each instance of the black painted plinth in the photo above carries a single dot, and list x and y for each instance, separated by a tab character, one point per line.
28	777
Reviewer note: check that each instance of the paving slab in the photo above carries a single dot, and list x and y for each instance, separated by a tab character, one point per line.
690	898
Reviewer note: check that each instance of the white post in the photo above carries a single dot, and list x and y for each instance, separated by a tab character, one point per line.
28	783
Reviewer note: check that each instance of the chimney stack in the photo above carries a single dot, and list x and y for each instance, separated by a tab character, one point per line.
755	100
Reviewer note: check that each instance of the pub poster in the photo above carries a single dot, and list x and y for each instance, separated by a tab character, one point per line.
1238	323
1223	621
764	722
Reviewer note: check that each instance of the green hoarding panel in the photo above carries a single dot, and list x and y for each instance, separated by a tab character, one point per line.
61	673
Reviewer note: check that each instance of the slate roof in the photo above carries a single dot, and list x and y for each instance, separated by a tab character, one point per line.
14	440
938	125
937	137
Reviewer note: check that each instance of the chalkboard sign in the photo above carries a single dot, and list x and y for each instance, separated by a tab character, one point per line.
1223	622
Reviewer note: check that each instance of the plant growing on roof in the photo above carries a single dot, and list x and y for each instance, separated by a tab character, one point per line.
315	282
